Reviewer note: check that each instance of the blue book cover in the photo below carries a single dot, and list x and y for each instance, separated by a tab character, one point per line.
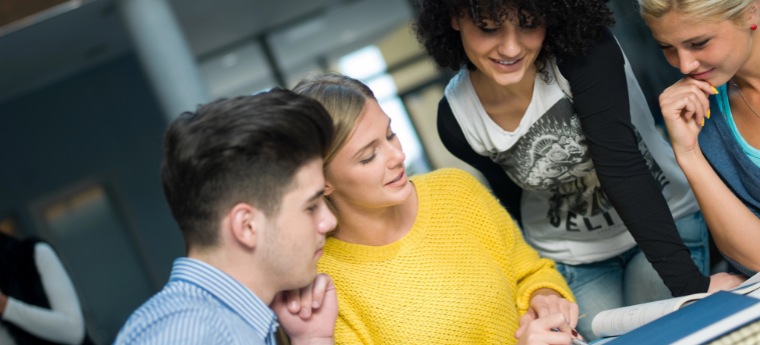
705	319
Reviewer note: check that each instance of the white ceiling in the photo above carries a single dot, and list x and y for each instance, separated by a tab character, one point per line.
86	32
211	25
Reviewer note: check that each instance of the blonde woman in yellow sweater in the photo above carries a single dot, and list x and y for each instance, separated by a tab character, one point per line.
430	259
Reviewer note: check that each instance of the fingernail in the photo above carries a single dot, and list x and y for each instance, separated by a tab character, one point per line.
575	334
293	305
714	89
703	122
315	304
708	113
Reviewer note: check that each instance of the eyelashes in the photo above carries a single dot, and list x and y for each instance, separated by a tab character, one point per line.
369	159
693	45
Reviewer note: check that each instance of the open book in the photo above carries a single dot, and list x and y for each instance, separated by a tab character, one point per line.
615	322
716	317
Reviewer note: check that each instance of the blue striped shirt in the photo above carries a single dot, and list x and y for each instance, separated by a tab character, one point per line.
200	305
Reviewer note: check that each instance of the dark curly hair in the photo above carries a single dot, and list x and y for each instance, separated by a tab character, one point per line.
572	26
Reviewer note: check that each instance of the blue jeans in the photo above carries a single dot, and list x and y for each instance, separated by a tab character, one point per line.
629	278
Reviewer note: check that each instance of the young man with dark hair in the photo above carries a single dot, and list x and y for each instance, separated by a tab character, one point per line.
243	178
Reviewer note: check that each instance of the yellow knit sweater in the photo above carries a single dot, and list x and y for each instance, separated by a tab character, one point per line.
462	275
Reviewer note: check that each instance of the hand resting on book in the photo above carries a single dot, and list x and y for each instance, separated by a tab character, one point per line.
725	281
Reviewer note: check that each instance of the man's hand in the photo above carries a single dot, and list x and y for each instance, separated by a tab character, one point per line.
308	315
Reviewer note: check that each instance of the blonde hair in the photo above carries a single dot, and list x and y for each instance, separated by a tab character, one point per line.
708	10
343	97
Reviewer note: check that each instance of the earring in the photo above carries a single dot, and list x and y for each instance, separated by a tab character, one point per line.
753	27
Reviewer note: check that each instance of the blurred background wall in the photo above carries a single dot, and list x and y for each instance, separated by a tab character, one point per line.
87	88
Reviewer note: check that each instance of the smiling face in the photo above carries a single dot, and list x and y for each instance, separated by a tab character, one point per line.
503	52
368	171
710	51
294	236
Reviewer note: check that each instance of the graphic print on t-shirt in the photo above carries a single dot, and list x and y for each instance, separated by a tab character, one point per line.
552	152
552	163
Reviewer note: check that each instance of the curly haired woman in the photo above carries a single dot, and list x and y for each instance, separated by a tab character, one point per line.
545	105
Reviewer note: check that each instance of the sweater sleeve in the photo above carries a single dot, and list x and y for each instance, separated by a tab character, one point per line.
600	98
453	139
63	322
531	272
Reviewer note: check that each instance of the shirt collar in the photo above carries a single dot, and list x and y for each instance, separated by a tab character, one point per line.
236	296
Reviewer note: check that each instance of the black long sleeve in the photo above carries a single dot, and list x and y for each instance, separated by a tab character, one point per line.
600	98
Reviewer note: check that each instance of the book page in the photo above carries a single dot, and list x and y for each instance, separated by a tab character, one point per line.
749	286
712	315
619	321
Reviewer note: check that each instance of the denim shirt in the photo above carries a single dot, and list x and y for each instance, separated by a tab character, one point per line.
728	159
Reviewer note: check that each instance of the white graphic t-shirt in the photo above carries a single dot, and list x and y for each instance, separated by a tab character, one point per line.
566	215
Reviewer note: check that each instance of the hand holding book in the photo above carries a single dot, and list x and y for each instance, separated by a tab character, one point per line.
619	321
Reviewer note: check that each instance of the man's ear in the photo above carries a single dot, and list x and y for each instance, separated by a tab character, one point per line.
245	222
